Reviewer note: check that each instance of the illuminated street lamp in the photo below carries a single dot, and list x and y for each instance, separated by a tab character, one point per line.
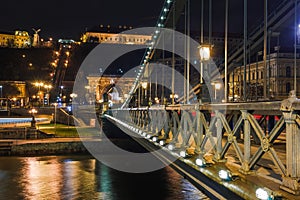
217	87
73	96
61	90
39	85
144	86
204	51
48	87
32	112
173	97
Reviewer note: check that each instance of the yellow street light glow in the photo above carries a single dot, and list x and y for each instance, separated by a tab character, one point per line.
204	52
33	111
144	85
48	86
218	86
73	95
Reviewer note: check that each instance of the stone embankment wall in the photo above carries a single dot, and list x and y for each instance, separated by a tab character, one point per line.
32	149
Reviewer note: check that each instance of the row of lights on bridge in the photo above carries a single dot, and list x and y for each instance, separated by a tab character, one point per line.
204	50
224	174
160	24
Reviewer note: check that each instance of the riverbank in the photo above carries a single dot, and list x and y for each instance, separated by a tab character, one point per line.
64	146
66	140
50	146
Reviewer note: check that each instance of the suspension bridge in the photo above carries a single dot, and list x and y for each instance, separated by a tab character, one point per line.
229	150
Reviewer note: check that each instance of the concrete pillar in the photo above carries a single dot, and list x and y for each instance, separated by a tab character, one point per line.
290	109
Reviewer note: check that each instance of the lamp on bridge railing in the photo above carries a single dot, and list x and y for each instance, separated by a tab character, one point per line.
174	98
182	153
144	86
225	175
264	194
200	162
162	143
204	51
217	87
171	147
156	99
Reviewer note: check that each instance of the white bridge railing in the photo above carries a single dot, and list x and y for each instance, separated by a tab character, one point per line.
215	128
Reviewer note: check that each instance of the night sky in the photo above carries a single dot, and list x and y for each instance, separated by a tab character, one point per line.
68	19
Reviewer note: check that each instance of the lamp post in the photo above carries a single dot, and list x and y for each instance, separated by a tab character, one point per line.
33	122
47	87
204	51
39	94
55	106
144	86
61	90
217	87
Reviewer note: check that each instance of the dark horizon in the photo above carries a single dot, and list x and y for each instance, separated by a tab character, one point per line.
69	19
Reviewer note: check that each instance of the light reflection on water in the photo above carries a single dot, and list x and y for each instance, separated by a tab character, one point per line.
82	177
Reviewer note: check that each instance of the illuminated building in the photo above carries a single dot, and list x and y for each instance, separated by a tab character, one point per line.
280	78
114	36
17	39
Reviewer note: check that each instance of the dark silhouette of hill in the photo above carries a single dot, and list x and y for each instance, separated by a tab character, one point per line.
25	64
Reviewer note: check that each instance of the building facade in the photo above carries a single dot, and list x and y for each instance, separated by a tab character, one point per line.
17	39
114	36
279	78
118	87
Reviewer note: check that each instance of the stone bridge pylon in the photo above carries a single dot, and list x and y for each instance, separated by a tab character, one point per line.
117	87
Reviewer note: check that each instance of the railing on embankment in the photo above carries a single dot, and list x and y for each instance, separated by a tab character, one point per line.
251	133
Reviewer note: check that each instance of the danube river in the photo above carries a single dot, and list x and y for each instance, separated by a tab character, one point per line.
83	177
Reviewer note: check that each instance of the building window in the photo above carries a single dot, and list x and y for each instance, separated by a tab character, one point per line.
261	75
288	71
288	87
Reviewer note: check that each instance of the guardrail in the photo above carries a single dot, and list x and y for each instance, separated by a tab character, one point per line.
216	128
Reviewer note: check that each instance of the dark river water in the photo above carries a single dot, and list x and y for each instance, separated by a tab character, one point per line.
83	177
